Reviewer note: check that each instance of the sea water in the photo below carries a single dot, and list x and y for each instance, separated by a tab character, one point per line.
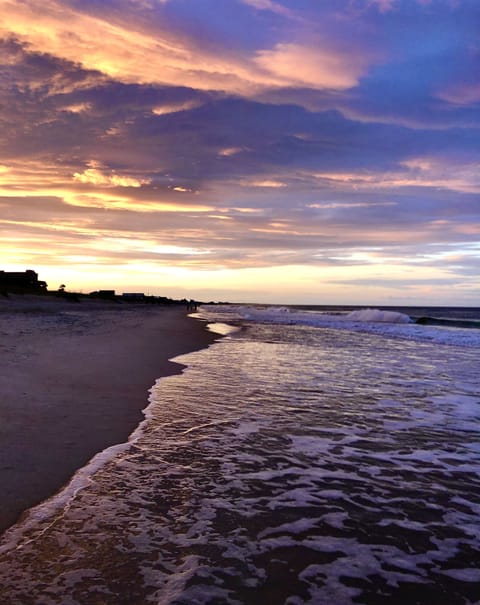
308	456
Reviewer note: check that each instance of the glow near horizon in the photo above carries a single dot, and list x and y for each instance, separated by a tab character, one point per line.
156	147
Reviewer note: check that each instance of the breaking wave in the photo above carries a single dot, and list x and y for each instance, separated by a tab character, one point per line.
392	324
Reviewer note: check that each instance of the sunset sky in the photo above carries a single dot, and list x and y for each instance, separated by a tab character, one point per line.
246	150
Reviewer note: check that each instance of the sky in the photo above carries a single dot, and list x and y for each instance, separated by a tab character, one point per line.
271	151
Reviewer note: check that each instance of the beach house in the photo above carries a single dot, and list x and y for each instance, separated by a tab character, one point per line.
21	282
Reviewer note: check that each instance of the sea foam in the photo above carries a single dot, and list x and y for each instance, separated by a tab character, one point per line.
375	315
390	324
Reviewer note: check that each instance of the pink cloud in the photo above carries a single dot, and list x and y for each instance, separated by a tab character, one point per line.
463	94
312	66
269	5
383	5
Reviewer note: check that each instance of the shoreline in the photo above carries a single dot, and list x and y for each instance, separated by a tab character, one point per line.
74	381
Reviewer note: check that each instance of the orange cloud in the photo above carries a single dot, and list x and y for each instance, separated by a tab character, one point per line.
20	178
162	110
78	107
94	176
129	52
230	151
37	178
120	50
269	183
182	189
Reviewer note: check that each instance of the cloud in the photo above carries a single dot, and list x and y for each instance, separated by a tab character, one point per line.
40	73
78	107
166	135
94	176
466	180
312	66
353	205
124	51
462	94
230	151
270	5
128	51
161	110
460	176
268	183
120	50
383	5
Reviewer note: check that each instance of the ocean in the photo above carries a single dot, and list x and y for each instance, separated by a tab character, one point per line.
310	455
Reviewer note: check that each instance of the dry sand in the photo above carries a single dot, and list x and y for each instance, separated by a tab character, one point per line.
74	378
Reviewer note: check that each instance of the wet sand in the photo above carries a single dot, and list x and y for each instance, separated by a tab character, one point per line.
74	378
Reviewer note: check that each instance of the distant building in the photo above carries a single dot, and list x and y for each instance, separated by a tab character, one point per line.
21	282
108	294
133	296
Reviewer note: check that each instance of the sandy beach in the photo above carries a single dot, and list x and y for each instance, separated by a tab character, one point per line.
74	379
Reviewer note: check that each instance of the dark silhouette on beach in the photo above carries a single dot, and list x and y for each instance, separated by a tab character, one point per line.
27	282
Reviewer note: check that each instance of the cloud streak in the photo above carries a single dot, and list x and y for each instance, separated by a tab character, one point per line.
125	49
327	139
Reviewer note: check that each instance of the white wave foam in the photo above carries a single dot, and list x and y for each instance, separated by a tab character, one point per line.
222	328
375	315
371	321
283	314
